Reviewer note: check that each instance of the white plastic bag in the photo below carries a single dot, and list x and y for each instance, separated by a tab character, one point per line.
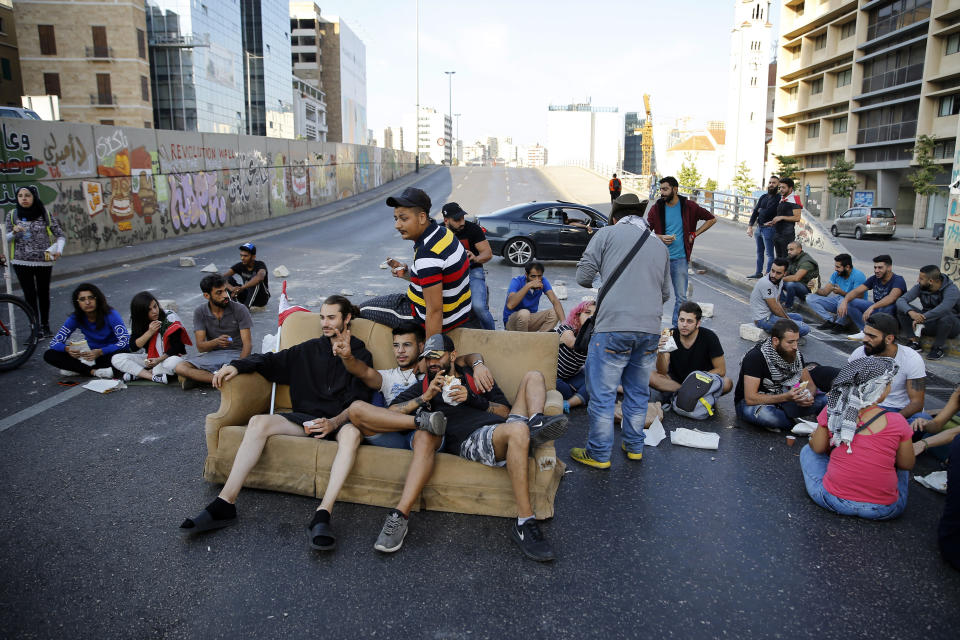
695	438
269	344
448	392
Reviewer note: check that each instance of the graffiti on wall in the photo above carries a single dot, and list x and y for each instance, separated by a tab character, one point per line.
195	201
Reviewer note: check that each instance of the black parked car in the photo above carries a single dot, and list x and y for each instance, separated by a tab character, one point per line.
552	230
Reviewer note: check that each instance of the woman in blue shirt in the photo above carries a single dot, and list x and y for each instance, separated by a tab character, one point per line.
101	326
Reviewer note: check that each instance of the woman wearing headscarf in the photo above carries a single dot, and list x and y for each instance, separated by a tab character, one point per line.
36	241
868	470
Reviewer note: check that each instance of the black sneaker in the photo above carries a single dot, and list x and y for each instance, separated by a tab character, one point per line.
431	422
915	345
531	541
825	325
838	328
755	276
546	428
935	353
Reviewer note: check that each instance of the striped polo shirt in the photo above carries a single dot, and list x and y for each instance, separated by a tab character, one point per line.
440	259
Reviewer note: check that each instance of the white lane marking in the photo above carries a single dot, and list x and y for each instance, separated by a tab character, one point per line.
40	407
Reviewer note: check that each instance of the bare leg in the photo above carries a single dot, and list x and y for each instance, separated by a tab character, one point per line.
371	420
187	370
258	430
348	439
421	467
662	382
511	441
531	395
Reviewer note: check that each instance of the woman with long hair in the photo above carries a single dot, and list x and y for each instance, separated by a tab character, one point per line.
571	376
103	331
859	458
160	333
36	241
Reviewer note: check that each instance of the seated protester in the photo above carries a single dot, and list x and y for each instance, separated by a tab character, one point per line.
774	388
886	286
867	473
938	432
571	375
765	308
222	329
908	388
321	389
698	350
102	328
949	530
247	280
801	270
521	308
938	315
480	427
160	333
827	299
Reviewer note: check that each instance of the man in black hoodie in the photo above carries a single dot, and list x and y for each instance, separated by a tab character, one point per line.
940	313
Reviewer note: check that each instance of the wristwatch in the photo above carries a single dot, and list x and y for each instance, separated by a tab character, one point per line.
477	363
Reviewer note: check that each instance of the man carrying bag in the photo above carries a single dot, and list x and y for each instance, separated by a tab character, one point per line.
635	269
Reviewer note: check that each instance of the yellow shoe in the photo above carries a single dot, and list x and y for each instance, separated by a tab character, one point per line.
631	454
580	455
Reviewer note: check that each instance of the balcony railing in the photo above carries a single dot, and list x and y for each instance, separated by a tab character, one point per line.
99	52
107	99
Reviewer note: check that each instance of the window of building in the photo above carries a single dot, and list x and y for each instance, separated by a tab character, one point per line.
6	69
894	122
109	122
141	44
953	44
844	77
813	130
48	41
145	88
790	134
51	84
848	29
147	125
820	42
896	15
894	68
944	149
100	42
753	81
816	86
798	9
2	25
840	125
104	93
949	105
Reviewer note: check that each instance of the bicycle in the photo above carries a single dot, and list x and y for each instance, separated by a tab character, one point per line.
19	330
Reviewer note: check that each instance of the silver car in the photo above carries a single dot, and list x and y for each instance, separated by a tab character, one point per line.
861	221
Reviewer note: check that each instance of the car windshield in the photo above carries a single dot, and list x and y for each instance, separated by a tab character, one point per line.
882	213
33	115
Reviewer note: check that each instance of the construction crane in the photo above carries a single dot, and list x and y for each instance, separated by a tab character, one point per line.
646	143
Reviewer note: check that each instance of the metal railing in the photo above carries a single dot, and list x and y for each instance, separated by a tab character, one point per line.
99	52
106	100
725	204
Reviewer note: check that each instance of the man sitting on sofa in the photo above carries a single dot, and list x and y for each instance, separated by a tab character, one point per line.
321	389
481	426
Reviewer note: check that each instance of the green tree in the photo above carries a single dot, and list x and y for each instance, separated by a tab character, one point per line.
840	182
923	178
710	184
742	183
789	166
689	176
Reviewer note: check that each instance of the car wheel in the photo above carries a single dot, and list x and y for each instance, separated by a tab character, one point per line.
858	234
835	231
518	252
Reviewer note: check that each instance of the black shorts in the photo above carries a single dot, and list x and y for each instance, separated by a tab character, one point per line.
299	418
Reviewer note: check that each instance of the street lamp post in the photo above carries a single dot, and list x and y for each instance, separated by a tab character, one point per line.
416	144
450	107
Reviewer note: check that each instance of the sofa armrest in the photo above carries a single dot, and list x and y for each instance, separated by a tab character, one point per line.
241	397
554	403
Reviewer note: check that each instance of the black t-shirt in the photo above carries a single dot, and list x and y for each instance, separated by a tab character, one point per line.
254	270
786	207
755	365
469	236
699	357
462	419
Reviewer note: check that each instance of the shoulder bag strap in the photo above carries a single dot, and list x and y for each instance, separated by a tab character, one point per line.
616	272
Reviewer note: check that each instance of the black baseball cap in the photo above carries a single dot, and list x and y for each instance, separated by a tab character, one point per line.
411	197
453	210
436	345
248	247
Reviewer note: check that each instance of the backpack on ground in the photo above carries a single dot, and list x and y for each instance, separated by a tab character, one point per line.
697	396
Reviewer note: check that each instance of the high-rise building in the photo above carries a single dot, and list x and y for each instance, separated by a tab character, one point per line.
860	81
309	112
433	131
92	55
344	73
11	84
268	75
633	144
305	52
388	138
585	134
747	95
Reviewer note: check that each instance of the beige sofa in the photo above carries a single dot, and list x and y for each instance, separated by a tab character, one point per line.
301	465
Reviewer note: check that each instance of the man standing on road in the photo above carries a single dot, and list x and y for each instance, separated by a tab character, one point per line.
763	212
801	270
614	188
253	288
786	218
887	287
623	346
438	298
765	308
674	219
938	316
825	303
478	250
521	308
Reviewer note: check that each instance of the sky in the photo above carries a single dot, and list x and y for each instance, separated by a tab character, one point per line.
514	58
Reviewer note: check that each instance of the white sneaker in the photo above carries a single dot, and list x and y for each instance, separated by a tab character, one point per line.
106	373
66	372
127	377
803	428
160	378
857	336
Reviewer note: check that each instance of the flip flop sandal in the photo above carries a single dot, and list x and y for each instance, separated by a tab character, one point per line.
204	521
321	530
67	383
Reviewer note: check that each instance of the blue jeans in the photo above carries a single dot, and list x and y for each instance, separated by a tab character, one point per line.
825	307
779	416
764	239
909	419
627	358
574	386
793	290
857	306
478	294
814	467
678	276
767	324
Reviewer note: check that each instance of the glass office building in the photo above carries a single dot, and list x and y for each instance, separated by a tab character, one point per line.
266	46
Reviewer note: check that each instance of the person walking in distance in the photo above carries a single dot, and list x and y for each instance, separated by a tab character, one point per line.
615	187
763	212
788	215
674	219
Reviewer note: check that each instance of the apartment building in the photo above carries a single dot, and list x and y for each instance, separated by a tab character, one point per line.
91	54
861	79
11	85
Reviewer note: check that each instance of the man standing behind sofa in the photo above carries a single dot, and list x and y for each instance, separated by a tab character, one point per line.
887	287
626	331
474	241
826	301
801	269
521	308
940	305
674	219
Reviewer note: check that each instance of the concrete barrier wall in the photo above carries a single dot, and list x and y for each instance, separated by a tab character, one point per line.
117	186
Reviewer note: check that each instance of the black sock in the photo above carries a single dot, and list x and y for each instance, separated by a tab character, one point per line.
401	514
320	515
220	509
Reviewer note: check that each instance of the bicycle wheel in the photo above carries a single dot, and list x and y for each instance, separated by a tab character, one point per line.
18	332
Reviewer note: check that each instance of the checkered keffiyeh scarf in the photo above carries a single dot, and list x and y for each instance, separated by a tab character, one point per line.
783	374
859	384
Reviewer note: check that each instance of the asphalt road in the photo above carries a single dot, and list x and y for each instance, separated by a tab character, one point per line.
688	543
